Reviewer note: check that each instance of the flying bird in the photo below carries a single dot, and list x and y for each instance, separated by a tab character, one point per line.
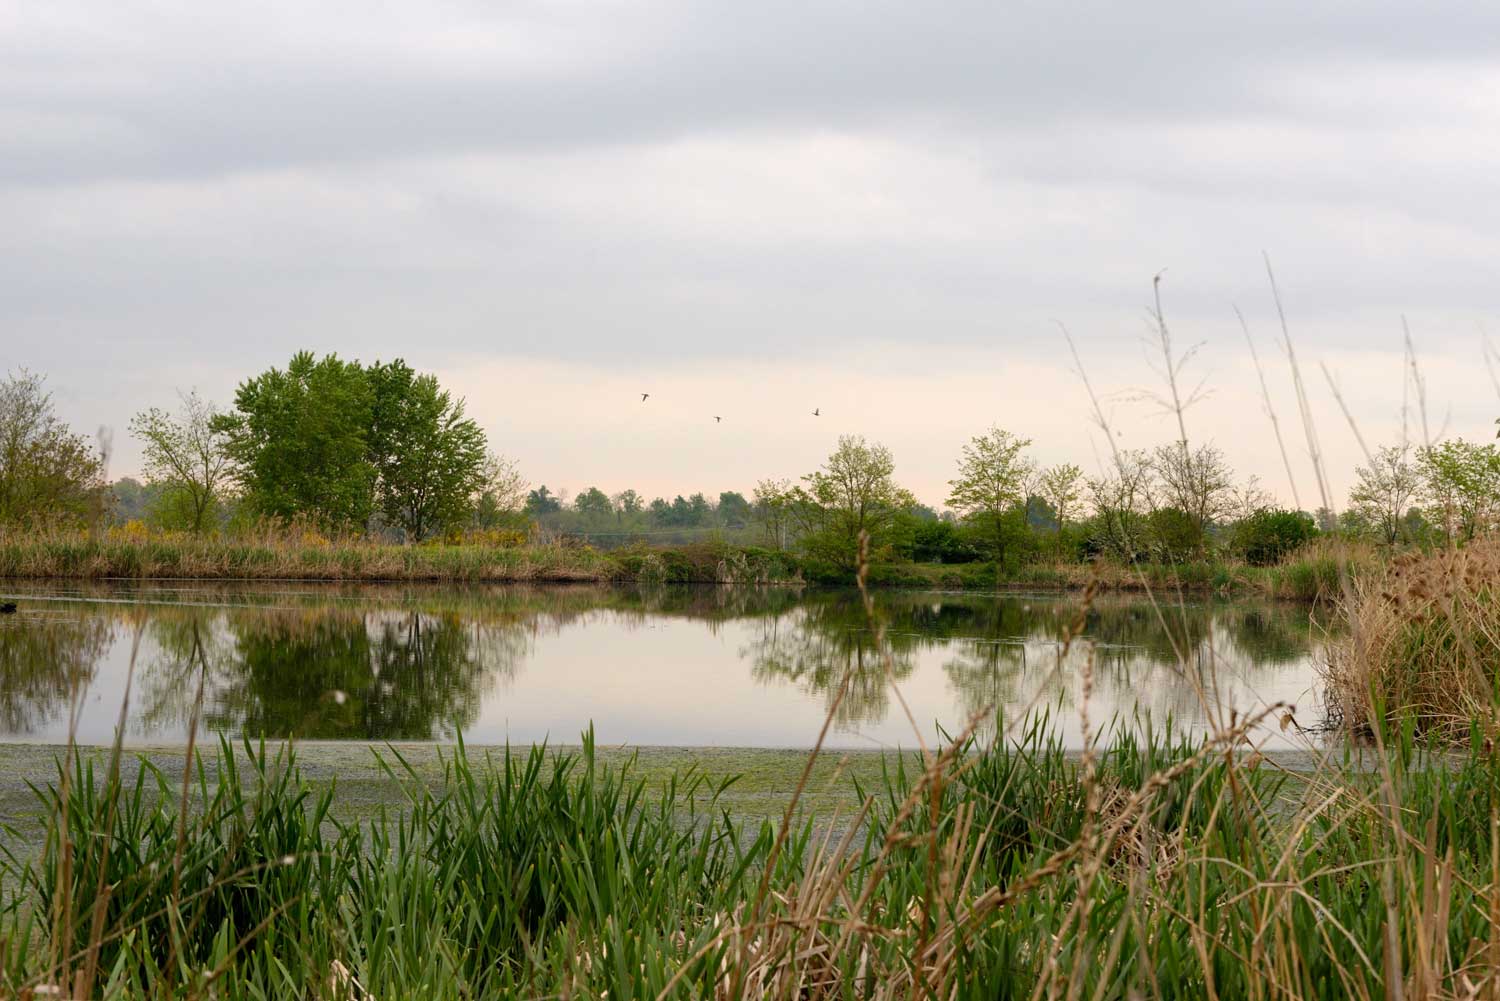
815	412
8	608
643	397
718	420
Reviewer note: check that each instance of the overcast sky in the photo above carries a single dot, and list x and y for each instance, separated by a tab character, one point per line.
754	210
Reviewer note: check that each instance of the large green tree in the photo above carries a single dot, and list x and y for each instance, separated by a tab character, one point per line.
734	510
300	441
47	473
429	459
542	501
993	480
854	492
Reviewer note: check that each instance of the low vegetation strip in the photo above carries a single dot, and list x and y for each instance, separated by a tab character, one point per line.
1161	868
1308	574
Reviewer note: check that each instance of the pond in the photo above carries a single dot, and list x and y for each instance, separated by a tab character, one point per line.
688	666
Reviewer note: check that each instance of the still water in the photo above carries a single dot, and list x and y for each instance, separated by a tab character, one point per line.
661	666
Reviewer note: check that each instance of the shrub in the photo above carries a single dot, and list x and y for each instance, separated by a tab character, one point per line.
1271	534
1175	536
941	542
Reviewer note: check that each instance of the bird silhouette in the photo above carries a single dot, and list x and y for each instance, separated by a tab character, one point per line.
643	397
815	412
718	420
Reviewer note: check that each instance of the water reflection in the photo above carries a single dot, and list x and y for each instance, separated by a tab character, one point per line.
661	665
44	659
815	645
1014	653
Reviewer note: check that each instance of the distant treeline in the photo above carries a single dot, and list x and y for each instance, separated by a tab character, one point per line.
382	452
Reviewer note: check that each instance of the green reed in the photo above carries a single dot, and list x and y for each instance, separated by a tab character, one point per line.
1164	866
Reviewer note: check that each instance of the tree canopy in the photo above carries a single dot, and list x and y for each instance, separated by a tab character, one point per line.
299	439
338	442
853	493
184	459
993	478
429	459
46	471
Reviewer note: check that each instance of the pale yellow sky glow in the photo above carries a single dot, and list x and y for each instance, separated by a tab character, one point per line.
572	427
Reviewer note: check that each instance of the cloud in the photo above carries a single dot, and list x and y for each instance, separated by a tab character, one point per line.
191	192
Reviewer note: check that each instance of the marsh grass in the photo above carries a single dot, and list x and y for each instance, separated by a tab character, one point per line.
1426	645
289	555
1168	867
1310	574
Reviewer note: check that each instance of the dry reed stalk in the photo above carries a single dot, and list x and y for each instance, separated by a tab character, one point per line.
1270	410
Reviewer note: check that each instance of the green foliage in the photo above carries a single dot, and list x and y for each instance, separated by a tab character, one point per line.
473	890
184	458
853	494
128	499
594	503
1196	482
733	510
941	542
1120	499
1270	535
1383	490
1061	486
47	473
542	501
1175	535
1162	861
429	459
703	562
772	506
335	442
1461	484
300	442
992	481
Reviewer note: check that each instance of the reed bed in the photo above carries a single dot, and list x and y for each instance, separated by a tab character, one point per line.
1162	867
278	555
1423	645
1311	574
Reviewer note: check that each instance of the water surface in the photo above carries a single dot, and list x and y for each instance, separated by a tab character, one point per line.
688	666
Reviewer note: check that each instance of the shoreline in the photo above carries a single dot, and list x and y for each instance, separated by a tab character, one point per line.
118	556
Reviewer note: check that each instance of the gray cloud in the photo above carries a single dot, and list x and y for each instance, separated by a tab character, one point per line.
190	192
143	90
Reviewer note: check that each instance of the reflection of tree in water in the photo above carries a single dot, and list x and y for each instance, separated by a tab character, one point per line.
987	675
415	662
1005	650
814	646
325	667
339	675
1186	660
44	659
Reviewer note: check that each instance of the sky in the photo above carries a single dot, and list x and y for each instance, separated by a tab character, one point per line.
885	212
